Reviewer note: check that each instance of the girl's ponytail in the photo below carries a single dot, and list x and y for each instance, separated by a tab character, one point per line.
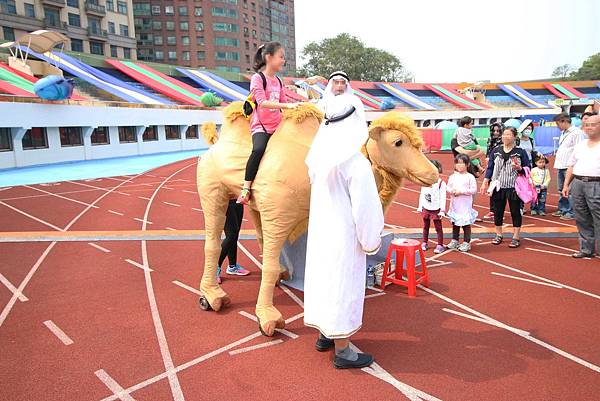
260	58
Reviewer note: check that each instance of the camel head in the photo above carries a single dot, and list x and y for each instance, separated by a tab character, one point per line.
235	126
394	147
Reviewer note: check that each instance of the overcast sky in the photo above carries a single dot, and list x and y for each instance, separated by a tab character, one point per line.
462	40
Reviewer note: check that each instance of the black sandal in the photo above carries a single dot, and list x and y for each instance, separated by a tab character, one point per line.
515	243
497	240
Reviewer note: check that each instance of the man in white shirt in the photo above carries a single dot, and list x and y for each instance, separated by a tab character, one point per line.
569	137
584	167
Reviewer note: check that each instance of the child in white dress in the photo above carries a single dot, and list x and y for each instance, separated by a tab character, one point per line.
461	186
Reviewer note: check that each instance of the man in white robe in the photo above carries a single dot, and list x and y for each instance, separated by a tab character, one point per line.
346	222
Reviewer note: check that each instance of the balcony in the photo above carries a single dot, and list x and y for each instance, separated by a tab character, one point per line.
95	9
96	33
55	3
53	23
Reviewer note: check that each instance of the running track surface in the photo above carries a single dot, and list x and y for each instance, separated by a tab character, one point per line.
114	320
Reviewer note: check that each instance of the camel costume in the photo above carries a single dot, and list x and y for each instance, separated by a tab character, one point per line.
281	191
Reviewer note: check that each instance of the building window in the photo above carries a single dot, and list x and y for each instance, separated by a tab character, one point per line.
127	52
158	40
8	7
70	136
97	48
185	40
184	26
141	9
169	10
200	40
172	55
221	41
111	28
185	56
224	12
122	7
192	132
9	33
74	19
172	132
35	138
183	10
199	26
127	134
5	140
155	10
156	25
123	30
201	55
198	11
100	136
150	134
247	59
110	5
113	51
223	27
159	55
73	3
232	56
170	25
76	45
29	10
171	40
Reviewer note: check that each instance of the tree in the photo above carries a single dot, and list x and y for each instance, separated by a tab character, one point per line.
348	53
590	70
562	71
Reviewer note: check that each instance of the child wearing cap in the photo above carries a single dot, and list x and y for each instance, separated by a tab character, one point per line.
541	179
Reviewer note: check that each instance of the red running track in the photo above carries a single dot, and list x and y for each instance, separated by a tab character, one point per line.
496	324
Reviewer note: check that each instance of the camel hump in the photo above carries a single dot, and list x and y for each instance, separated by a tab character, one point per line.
209	132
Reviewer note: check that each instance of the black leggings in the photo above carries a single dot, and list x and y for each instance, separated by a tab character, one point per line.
515	204
456	233
259	145
233	224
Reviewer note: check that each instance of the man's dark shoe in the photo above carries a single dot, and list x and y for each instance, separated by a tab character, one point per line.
363	361
324	344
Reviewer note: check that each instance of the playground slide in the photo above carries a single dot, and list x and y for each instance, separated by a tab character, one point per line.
407	97
452	96
518	93
223	88
564	91
15	82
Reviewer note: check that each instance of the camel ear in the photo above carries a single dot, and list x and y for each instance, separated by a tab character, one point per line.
375	132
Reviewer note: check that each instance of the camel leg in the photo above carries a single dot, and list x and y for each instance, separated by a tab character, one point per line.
255	216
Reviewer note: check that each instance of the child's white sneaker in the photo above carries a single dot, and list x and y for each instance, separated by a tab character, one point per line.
424	246
453	244
464	247
439	249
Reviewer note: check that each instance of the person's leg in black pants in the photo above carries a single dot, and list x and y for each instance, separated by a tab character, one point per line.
515	205
499	200
233	224
259	145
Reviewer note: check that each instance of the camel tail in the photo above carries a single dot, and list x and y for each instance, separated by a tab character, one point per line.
209	132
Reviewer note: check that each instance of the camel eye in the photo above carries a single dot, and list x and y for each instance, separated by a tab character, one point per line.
398	143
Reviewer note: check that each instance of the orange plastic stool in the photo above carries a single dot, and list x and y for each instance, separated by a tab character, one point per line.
405	250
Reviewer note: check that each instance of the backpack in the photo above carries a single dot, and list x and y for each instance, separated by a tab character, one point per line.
249	103
525	188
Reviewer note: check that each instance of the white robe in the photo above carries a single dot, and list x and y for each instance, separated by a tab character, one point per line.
346	221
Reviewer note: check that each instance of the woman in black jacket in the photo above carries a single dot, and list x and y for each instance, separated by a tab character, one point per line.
494	140
505	163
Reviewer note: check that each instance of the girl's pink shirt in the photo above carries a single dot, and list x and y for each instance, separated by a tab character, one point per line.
270	118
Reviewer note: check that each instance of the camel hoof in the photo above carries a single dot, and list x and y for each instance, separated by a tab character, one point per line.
284	276
269	329
219	303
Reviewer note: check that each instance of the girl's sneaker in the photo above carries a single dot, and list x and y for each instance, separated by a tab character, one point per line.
439	249
453	244
464	247
219	281
237	270
424	246
244	197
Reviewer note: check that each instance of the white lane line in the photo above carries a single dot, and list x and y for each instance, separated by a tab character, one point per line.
375	289
255	347
518	332
168	188
62	336
5	188
526	280
112	385
136	264
282	331
31	216
143	221
187	287
484	243
485	321
117	213
124	193
550	252
374	295
60	196
190	192
196	209
115	179
171	229
98	247
552	245
144	198
171	204
589	294
393	226
13	289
